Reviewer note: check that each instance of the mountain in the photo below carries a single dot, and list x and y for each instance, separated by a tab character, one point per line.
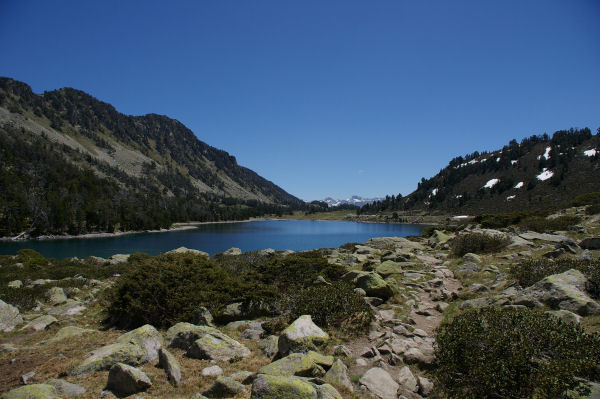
537	173
72	163
354	200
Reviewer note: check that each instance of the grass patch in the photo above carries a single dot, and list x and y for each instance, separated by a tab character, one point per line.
477	243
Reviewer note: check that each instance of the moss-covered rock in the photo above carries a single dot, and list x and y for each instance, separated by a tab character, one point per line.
135	347
374	285
9	317
34	391
126	380
388	268
301	336
338	375
225	387
295	364
218	348
282	387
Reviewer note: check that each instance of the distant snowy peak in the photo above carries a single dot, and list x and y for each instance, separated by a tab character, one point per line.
354	200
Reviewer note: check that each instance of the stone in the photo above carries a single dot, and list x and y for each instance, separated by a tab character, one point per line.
321	360
245	377
252	334
361	362
438	238
203	317
233	311
416	356
25	378
56	296
320	280
15	284
126	380
233	252
282	387
267	252
565	316
34	391
338	375
135	347
40	323
389	243
225	387
590	243
585	390
407	380
379	383
530	235
374	285
342	350
69	308
585	255
564	291
270	346
296	364
212	371
9	317
471	257
301	336
184	250
69	332
425	386
66	388
388	268
8	348
169	363
326	391
217	347
118	258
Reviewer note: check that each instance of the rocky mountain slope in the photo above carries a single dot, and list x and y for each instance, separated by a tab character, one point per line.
537	173
412	287
146	156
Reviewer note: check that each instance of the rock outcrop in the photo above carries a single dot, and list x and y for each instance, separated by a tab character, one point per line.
301	336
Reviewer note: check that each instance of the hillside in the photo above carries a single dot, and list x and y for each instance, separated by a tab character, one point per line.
71	163
537	173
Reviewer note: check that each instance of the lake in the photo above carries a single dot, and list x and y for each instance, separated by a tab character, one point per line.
297	235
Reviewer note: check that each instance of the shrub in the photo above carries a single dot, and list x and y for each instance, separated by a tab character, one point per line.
586	199
477	243
500	220
349	246
542	225
531	271
513	353
334	306
592	209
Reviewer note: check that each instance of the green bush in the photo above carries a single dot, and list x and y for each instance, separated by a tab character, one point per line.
531	271
541	224
477	243
513	353
165	289
334	306
500	220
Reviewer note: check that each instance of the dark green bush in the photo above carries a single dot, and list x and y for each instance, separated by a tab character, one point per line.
500	220
513	353
531	271
586	199
349	246
334	306
477	243
541	224
592	209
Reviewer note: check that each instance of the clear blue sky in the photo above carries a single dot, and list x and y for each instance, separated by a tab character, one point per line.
324	98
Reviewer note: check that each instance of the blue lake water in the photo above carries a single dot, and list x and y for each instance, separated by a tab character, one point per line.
297	235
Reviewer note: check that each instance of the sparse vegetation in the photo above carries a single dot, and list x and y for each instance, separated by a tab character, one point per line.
513	353
477	243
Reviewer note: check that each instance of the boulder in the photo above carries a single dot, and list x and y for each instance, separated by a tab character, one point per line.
68	308
135	347
585	390
126	380
184	250
407	380
118	258
379	383
438	238
372	283
233	252
15	284
388	268
301	336
203	317
531	235
425	386
9	317
34	391
203	342
245	377
66	388
338	375
224	387
321	360
296	364
69	332
590	243
56	296
389	243
564	291
278	387
212	371
40	323
171	366
415	355
326	391
269	346
565	316
472	258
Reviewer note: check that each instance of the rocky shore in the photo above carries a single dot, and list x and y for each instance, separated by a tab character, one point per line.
60	348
